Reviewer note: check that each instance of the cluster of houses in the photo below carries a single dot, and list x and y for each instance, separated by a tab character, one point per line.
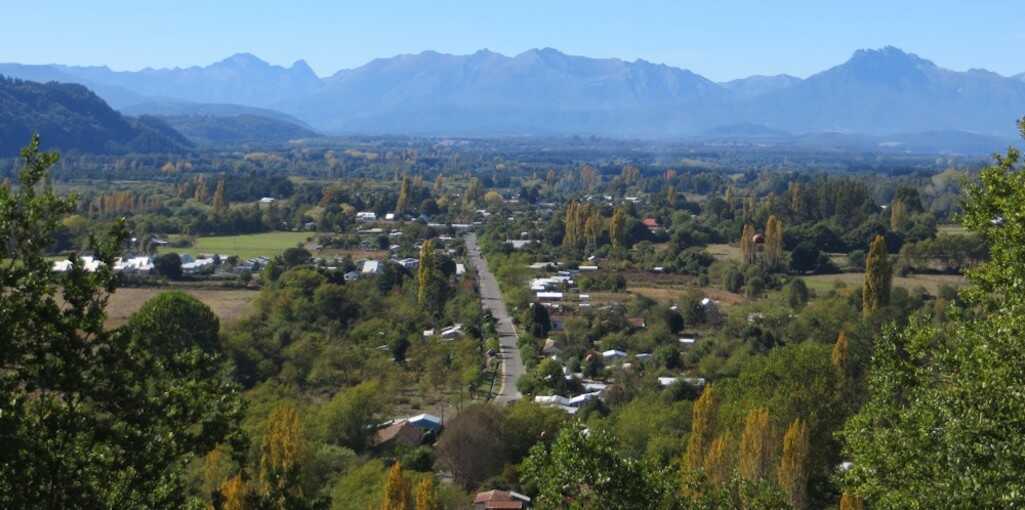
144	264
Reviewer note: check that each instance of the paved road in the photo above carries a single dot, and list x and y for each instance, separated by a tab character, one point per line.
491	297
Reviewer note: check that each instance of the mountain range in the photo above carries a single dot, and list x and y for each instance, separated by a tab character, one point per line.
546	92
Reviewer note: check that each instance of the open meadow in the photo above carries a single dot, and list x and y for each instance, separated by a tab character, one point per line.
931	282
245	246
230	305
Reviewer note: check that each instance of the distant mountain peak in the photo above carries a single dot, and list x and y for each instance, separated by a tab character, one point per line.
1019	76
302	66
889	54
245	59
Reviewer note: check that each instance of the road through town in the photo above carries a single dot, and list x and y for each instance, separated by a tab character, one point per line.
491	297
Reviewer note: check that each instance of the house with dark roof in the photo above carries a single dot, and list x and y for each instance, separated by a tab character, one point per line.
398	433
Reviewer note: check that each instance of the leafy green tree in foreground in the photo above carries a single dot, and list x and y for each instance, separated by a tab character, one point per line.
584	469
93	418
943	426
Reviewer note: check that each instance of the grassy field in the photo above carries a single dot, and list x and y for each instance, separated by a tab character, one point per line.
952	229
931	282
229	305
724	251
245	246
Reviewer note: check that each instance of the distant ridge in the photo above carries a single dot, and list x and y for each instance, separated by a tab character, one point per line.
546	92
70	117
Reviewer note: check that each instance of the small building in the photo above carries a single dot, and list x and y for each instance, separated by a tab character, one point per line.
398	433
496	499
650	223
519	244
267	200
613	355
589	268
371	267
425	422
549	296
199	266
389	217
460	269
452	333
366	216
687	341
409	263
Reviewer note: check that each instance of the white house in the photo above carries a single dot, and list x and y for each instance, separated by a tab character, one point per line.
519	244
613	354
371	267
198	266
366	216
460	269
549	296
453	332
134	265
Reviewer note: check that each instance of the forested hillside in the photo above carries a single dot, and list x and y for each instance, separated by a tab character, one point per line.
72	118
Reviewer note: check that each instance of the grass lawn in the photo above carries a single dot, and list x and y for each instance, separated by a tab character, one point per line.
932	282
952	229
245	246
724	251
230	305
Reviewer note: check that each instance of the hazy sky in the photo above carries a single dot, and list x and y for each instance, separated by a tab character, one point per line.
719	39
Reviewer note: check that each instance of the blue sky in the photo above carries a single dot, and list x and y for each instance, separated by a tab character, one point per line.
718	39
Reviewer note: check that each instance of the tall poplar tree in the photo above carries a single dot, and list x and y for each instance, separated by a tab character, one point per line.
402	204
756	446
220	204
427	495
617	229
774	242
748	249
702	428
878	277
793	466
396	490
898	215
717	461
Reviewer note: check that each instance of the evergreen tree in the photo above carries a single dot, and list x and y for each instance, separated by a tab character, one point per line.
878	277
706	408
756	446
793	467
396	490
